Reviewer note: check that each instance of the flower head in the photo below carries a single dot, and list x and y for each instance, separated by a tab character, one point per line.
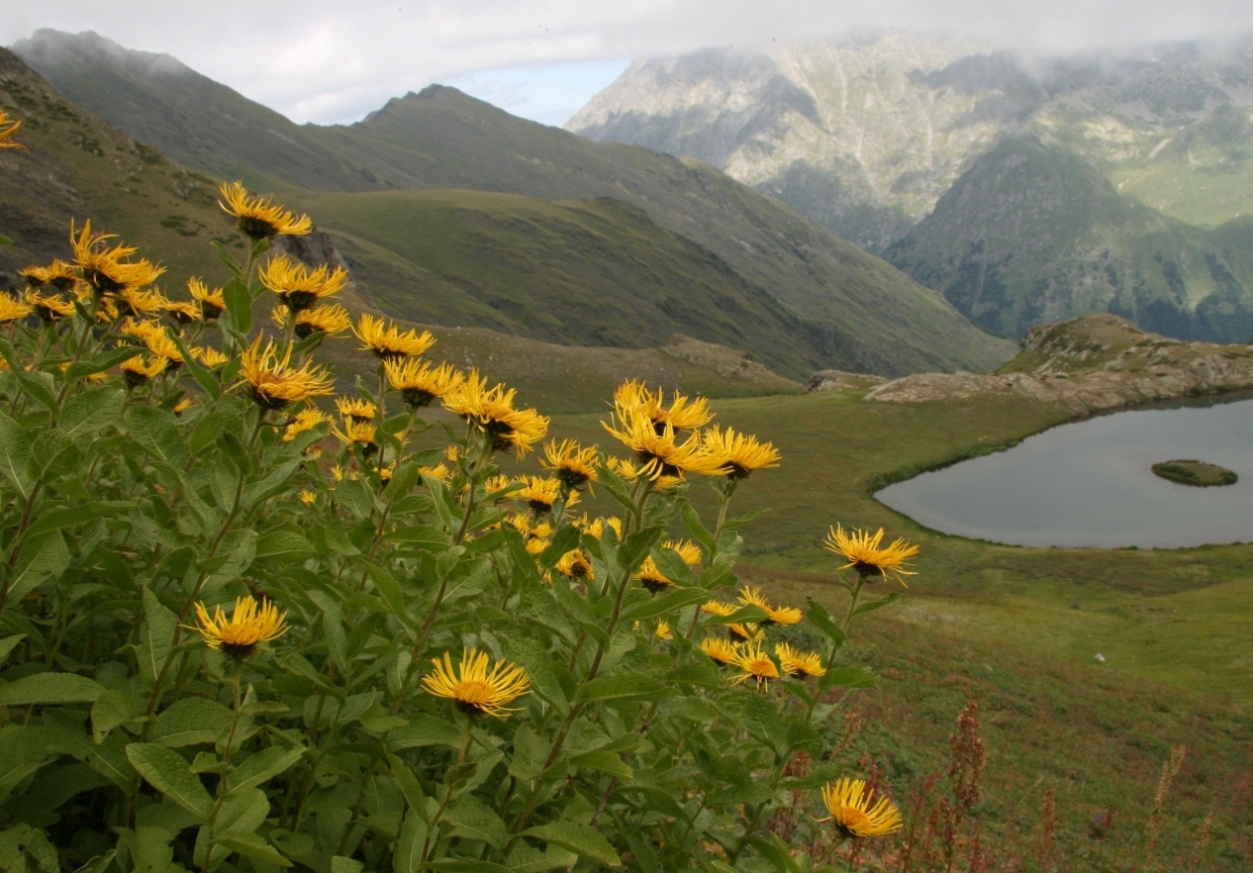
12	309
7	129
572	465
419	383
297	286
774	614
140	369
491	410
687	550
660	453
49	307
798	664
305	419
864	554
330	319
473	688
739	454
541	493
258	217
387	341
652	578
856	812
212	302
755	664
275	384
250	625
575	565
634	398
109	270
720	651
355	408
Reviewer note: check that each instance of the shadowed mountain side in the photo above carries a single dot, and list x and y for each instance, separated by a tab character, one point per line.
855	312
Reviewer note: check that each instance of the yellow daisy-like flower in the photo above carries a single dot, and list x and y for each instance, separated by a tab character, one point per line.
572	465
720	651
273	383
439	471
718	608
331	319
652	578
491	410
184	312
356	408
36	277
419	383
306	419
774	614
856	812
634	472
108	270
212	302
755	664
575	565
208	357
661	454
133	300
682	414
662	631
12	310
7	129
359	433
541	493
140	369
473	688
864	554
387	341
250	625
687	550
739	454
746	632
798	664
307	497
258	217
537	545
297	286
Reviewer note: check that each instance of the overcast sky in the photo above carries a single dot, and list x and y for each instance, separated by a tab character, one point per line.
332	61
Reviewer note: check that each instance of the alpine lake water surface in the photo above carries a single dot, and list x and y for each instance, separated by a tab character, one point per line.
1090	483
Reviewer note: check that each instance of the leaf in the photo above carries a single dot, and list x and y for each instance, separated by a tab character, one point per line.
169	773
243	813
623	686
340	864
156	638
44	688
155	429
112	709
101	362
23	840
877	604
605	762
92	410
263	766
848	677
22	751
584	840
284	545
42	558
631	553
255	847
189	721
665	604
7	645
15	455
239	305
68	516
821	619
538	662
474	820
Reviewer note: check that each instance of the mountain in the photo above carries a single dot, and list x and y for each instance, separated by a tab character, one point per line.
701	253
1023	190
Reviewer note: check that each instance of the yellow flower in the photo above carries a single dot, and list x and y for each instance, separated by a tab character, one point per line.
575	565
133	300
687	550
356	408
12	310
774	615
139	369
297	286
856	812
208	357
797	664
634	398
330	319
419	383
660	454
747	632
652	578
473	688
739	454
492	412
274	384
720	651
307	497
212	302
573	466
718	608
358	433
634	472
663	631
258	217
755	664
250	625
864	554
105	269
541	493
183	311
386	340
7	129
306	419
439	471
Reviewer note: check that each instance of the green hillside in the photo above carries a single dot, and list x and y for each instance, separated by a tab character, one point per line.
849	310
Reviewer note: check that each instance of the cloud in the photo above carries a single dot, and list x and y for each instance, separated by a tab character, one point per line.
332	61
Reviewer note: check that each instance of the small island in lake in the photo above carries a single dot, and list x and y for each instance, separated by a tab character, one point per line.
1196	473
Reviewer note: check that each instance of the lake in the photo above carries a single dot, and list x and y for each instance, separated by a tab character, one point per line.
1090	483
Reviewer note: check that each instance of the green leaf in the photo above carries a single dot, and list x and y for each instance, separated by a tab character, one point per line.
284	546
112	709
189	721
692	524
22	752
632	553
239	305
340	864
474	820
461	865
56	519
877	604
15	455
666	604
821	619
255	847
168	772
156	638
244	812
263	766
848	677
202	376
538	663
623	686
156	430
605	762
584	840
42	558
22	840
44	688
91	410
101	362
7	645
